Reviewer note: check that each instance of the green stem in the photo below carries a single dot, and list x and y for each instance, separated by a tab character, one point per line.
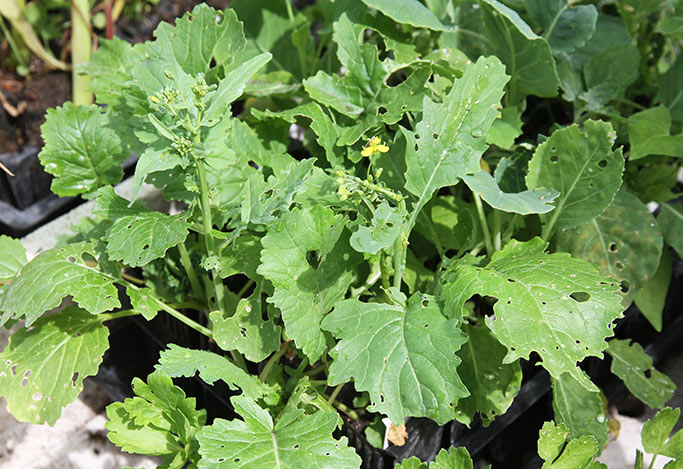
246	287
375	274
401	245
81	45
315	371
350	412
208	225
12	45
120	314
484	224
335	393
652	462
497	238
184	319
189	270
272	361
239	360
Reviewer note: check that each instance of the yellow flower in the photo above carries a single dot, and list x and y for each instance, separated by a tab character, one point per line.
373	147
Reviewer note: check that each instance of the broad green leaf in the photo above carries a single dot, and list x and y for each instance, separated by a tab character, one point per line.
449	140
583	167
43	367
454	458
576	454
309	266
670	220
634	367
652	296
506	128
410	12
53	274
527	56
81	150
295	438
656	432
143	301
607	75
652	182
565	26
450	222
160	421
531	201
177	361
381	234
13	257
137	236
241	257
336	93
246	331
671	89
610	31
581	410
492	384
155	160
649	133
624	243
671	26
551	304
403	356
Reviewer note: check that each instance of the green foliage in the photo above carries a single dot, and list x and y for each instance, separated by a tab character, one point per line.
322	241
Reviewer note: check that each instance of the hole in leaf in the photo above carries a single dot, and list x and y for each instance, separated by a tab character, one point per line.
648	373
89	259
425	301
612	247
435	136
296	446
590	185
553	158
381	110
602	163
381	397
418	136
236	460
511	280
625	286
417	147
14	369
71	259
37	396
253	164
313	259
619	265
74	378
580	296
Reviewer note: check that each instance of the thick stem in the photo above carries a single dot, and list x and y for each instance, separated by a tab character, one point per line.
189	270
335	393
209	241
272	361
184	319
120	314
484	224
81	45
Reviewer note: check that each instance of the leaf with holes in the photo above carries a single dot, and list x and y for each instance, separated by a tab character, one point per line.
159	421
450	139
13	257
582	166
385	227
624	243
308	261
403	356
179	361
551	304
634	367
81	150
137	236
577	453
53	274
43	367
258	441
246	331
492	384
583	411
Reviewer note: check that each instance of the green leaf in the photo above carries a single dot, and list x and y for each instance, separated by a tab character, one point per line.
454	458
381	234
160	422
43	367
246	331
671	89
493	385
448	143
333	92
137	236
649	134
652	181
670	220
624	243
241	257
53	274
634	367
179	361
652	296
583	167
403	356
576	454
310	268
565	27
551	304
607	75
13	257
581	410
257	441
506	128
410	12
143	301
81	150
527	56
450	222
525	203
656	431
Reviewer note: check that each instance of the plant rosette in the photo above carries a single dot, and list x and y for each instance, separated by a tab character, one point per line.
430	232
